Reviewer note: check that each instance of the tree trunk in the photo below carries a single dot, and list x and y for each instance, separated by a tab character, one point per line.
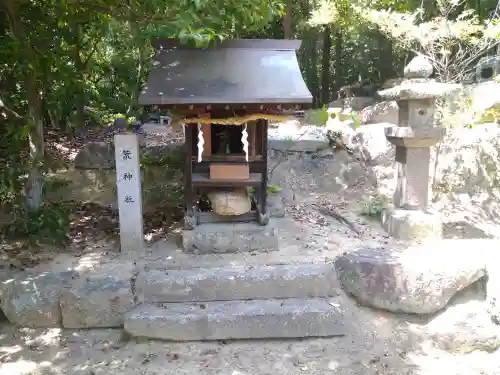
288	20
34	184
339	71
79	119
312	68
134	95
325	69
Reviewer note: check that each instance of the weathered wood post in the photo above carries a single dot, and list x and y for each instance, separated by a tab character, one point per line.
128	182
410	218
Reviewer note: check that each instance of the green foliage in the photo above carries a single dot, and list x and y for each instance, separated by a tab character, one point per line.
173	160
374	206
453	38
49	225
75	63
323	116
271	189
491	115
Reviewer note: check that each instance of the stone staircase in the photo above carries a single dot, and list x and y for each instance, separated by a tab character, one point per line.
284	301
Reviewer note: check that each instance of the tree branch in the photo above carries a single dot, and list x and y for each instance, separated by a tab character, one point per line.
8	110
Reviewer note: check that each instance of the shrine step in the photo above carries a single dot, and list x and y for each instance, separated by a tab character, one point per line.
237	283
230	238
255	319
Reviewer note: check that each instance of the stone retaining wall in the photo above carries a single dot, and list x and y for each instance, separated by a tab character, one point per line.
99	186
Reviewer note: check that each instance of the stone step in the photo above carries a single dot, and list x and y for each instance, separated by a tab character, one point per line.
217	238
256	319
237	283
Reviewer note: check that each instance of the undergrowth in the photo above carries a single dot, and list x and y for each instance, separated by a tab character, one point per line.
373	206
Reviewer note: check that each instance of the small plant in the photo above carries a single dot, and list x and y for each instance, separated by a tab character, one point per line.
323	116
271	189
374	206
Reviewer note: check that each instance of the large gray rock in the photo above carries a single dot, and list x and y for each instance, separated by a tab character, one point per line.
97	302
257	319
96	155
32	300
302	175
237	283
387	112
372	143
420	280
358	102
230	238
297	138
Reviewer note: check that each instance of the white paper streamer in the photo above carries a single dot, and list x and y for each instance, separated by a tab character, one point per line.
244	140
201	142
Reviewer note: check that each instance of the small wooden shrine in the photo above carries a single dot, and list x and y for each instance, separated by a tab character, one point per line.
224	96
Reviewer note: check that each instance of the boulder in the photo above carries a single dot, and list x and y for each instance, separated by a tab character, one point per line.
307	138
358	102
372	143
353	173
32	300
469	161
96	155
392	82
97	302
339	103
230	202
387	112
301	176
418	280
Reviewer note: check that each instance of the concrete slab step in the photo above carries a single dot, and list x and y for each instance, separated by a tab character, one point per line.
230	238
237	283
256	319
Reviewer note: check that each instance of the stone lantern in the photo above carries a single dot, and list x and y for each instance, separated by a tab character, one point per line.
410	218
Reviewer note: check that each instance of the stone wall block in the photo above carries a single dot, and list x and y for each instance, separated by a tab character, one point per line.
32	300
97	302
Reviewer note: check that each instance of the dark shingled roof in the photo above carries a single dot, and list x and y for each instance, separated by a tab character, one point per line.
233	72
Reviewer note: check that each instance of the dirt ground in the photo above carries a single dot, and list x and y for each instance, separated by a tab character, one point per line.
377	344
461	340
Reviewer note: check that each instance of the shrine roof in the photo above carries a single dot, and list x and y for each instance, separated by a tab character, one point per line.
246	71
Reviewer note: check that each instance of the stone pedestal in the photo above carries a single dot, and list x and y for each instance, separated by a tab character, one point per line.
410	218
128	182
412	225
218	238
